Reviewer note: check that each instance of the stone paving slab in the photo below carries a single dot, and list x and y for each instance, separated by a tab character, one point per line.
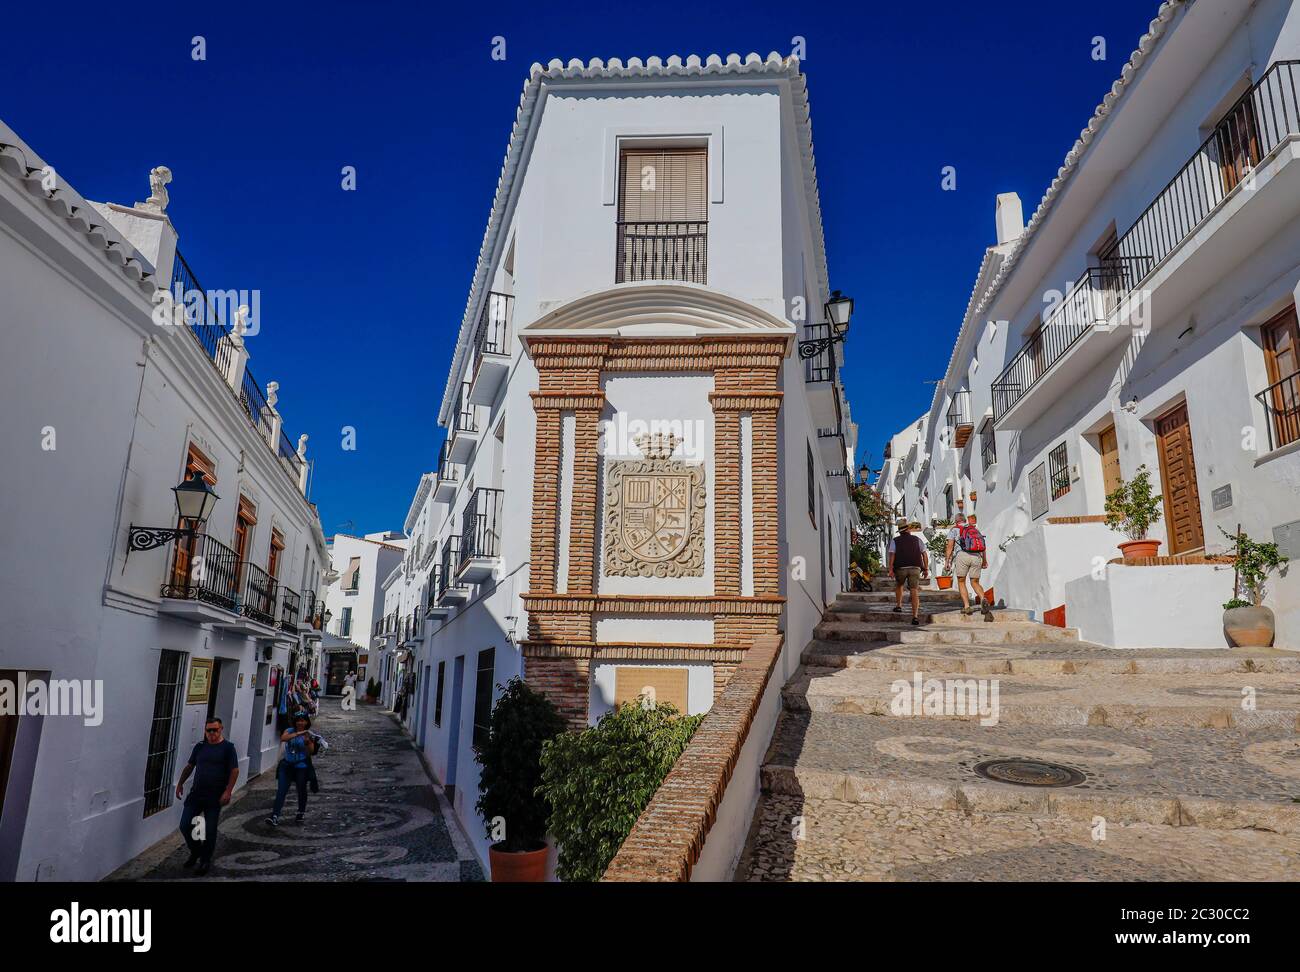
378	817
1219	779
1192	700
851	842
934	614
1062	658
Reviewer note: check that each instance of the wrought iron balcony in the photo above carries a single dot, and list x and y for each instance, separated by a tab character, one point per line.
290	604
464	431
819	366
1265	117
662	251
1281	401
204	569
960	425
449	587
257	594
480	535
492	347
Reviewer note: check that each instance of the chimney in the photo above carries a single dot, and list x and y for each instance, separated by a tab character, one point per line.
1010	218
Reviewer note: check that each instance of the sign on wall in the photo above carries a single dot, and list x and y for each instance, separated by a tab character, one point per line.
659	684
1038	499
200	681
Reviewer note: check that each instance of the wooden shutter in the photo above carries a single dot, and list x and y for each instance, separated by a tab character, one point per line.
1178	477
1282	353
663	185
273	561
195	461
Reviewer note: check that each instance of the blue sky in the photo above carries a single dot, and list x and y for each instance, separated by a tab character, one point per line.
363	292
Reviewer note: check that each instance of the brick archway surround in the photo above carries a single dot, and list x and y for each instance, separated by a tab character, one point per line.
560	649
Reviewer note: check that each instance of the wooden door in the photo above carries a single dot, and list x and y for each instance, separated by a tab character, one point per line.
1282	353
1178	478
1237	138
1108	443
195	461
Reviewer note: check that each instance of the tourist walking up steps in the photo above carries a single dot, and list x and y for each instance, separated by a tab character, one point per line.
967	543
908	562
215	765
299	745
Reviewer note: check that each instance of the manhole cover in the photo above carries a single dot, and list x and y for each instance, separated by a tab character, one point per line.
1029	772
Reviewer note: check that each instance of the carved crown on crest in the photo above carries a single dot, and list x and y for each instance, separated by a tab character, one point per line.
658	445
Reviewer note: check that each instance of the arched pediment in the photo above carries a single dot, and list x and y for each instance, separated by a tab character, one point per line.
657	310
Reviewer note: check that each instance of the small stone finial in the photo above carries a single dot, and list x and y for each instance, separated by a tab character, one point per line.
159	176
272	393
302	446
658	445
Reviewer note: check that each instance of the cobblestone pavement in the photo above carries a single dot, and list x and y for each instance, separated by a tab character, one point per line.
377	817
1178	778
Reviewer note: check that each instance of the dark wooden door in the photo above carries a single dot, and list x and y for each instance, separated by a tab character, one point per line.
1178	477
1109	444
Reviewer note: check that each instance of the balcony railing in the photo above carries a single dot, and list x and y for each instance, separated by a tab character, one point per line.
959	420
493	334
290	604
257	598
1281	401
1088	303
204	569
1262	119
466	420
662	251
203	318
988	445
480	525
447	564
307	610
821	366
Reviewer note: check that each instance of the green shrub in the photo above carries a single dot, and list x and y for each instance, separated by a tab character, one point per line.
1253	560
522	721
1134	506
371	688
599	780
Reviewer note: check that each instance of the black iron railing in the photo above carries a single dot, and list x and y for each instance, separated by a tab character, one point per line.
447	564
257	597
290	604
1087	304
307	609
1260	121
1263	118
465	420
821	365
202	316
1281	401
1058	469
493	334
448	471
204	569
480	526
662	251
959	411
434	577
988	444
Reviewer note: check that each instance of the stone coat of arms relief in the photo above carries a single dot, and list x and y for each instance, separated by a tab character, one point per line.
654	513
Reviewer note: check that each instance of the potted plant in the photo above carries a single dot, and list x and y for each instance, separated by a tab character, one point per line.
514	810
1131	510
1246	622
599	780
372	691
938	557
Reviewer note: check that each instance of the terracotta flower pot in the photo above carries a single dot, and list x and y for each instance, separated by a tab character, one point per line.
517	866
1133	549
945	583
1248	627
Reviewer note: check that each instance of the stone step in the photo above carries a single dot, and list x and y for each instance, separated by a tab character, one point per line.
984	633
841	841
880	597
1056	658
936	614
1218	780
1193	700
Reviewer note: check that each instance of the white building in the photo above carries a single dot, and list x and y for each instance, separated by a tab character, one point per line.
1145	316
640	473
354	602
106	411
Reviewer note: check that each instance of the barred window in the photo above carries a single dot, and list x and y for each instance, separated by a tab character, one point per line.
1059	470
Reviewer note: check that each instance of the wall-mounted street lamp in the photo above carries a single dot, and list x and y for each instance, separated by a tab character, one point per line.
838	310
195	501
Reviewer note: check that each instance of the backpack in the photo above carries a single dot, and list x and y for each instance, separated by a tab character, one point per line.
971	540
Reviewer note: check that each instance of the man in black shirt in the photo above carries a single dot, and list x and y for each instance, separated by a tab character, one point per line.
908	562
215	765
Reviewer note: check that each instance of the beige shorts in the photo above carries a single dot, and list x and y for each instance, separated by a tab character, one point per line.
909	577
967	565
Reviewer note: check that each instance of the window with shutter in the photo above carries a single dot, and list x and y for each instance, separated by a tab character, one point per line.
662	215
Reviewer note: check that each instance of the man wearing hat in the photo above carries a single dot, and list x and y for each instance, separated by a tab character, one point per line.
909	561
